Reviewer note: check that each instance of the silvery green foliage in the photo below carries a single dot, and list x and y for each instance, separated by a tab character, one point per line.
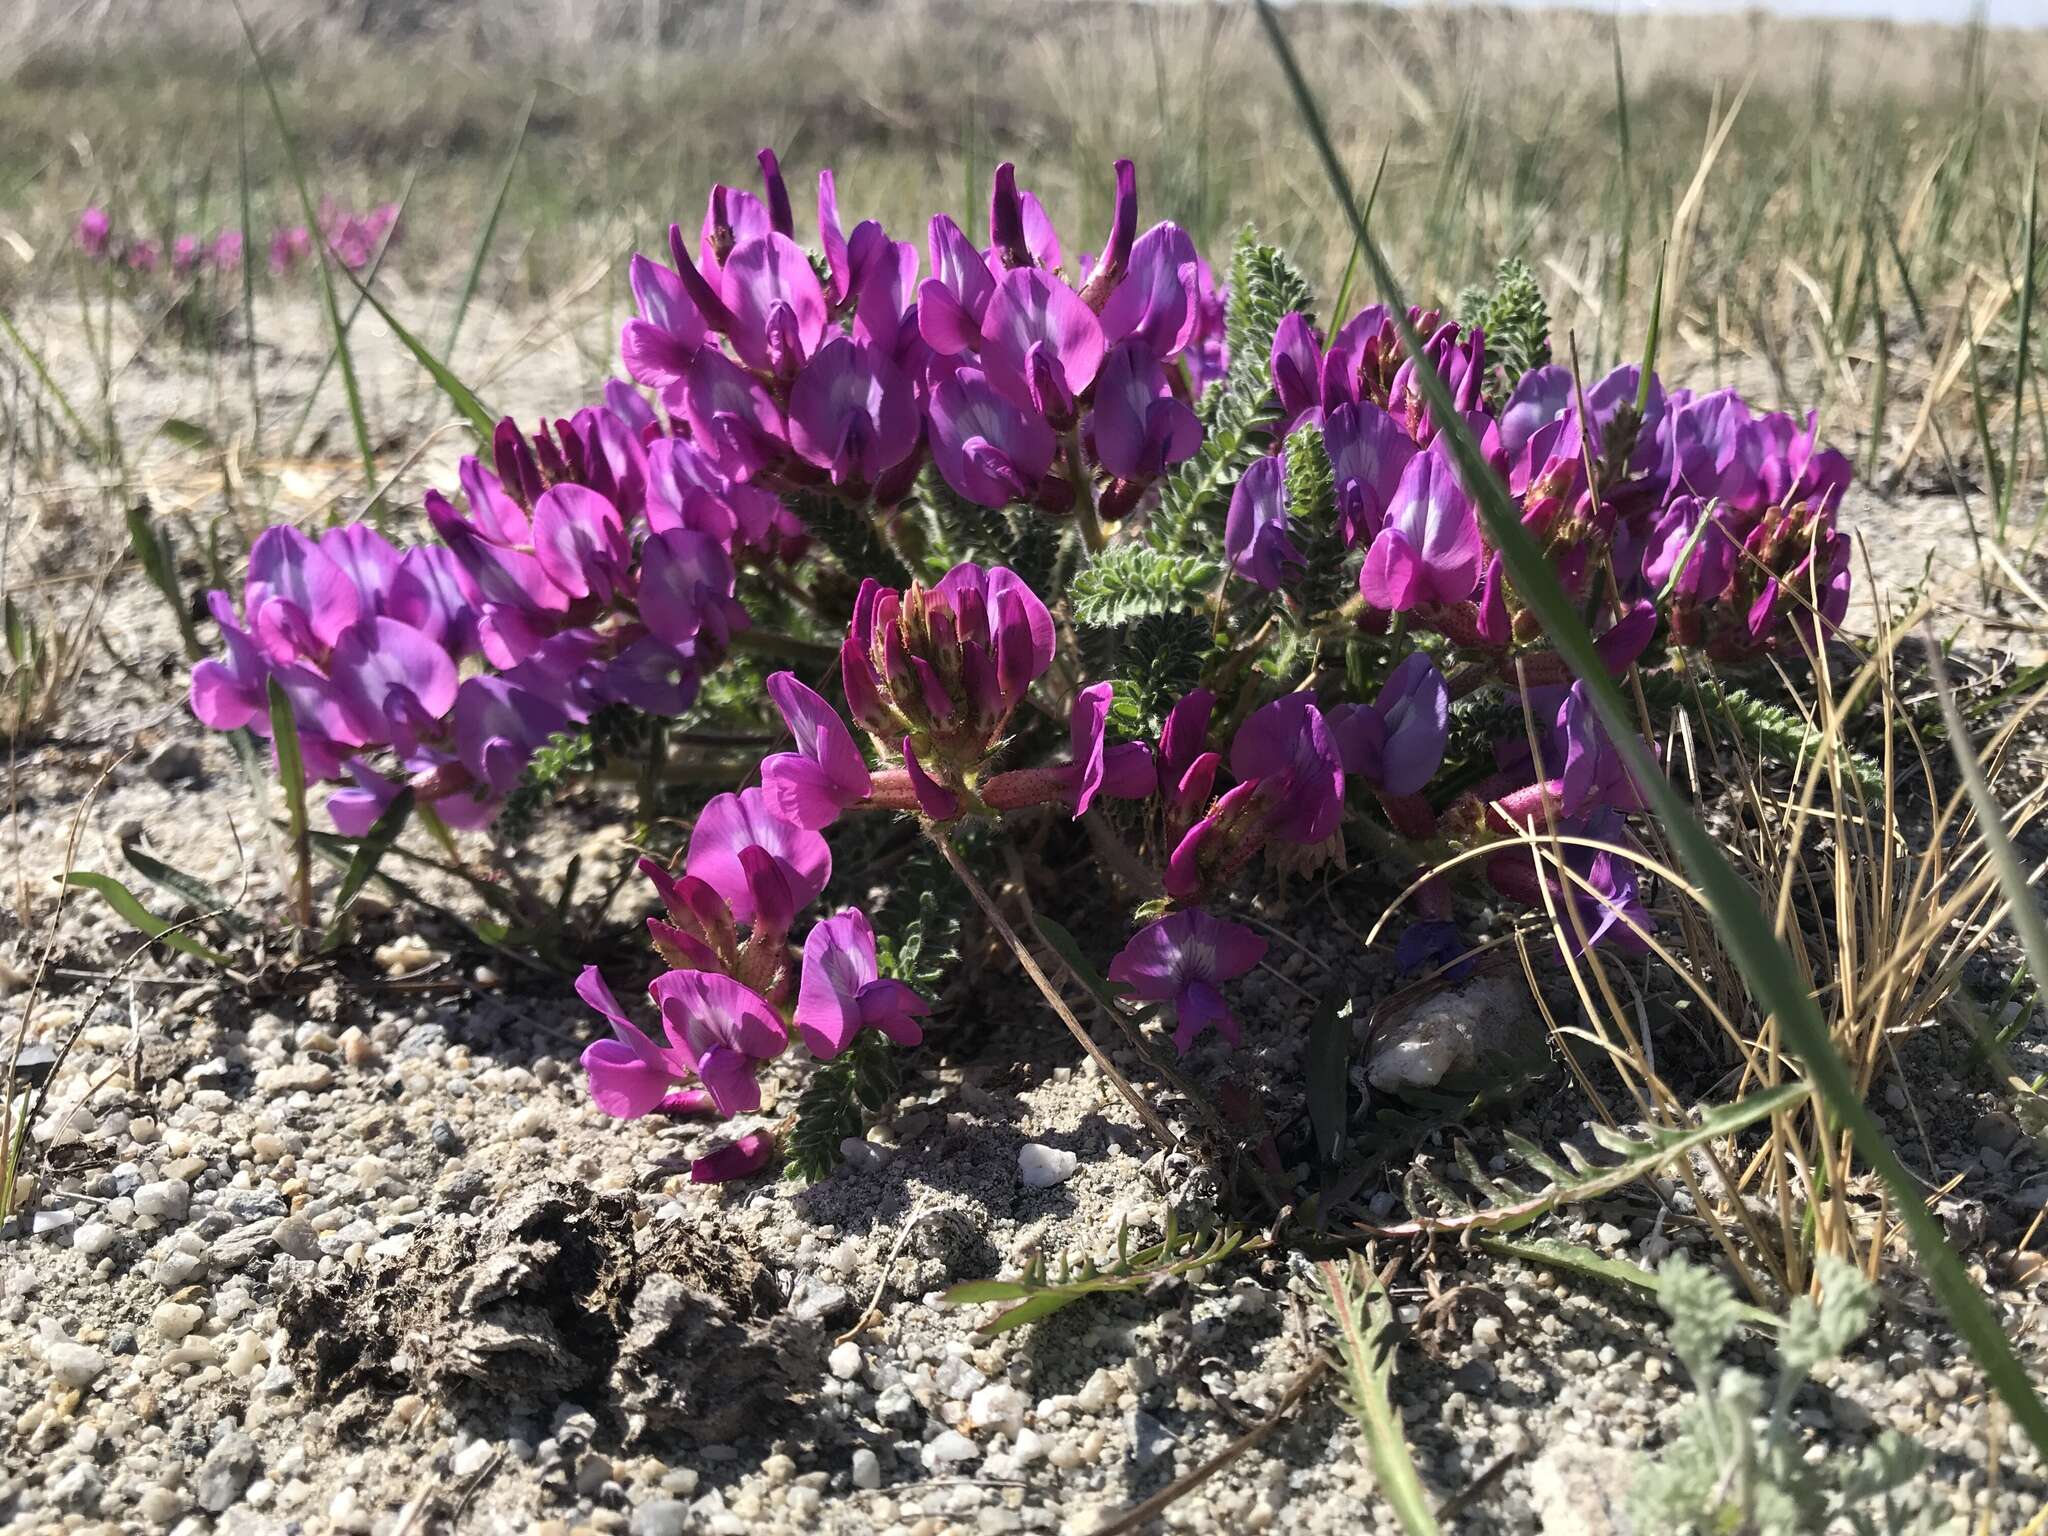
1737	1466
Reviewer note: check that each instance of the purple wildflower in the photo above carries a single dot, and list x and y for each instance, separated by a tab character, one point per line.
1183	959
843	990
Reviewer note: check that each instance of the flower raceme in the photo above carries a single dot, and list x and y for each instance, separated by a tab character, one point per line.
792	376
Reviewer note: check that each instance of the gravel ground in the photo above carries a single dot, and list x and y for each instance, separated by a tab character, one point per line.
345	1247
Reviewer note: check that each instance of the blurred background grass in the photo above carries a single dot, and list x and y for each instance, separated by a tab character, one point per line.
1854	243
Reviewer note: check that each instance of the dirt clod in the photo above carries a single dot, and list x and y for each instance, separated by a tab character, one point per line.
557	1293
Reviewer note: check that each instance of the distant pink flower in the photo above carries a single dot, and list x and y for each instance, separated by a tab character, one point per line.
95	232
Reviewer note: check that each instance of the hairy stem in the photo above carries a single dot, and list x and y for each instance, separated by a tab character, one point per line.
1084	494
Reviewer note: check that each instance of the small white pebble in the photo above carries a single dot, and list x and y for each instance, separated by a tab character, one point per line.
1041	1167
172	1320
845	1361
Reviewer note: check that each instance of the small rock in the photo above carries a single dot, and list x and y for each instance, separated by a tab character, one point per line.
94	1238
1041	1167
660	1517
172	762
950	1449
445	1138
1487	1021
998	1406
1097	1392
161	1505
357	1048
867	1469
172	1320
471	1459
534	1120
74	1365
226	1471
165	1200
845	1361
1150	1439
295	1236
296	1077
1608	1235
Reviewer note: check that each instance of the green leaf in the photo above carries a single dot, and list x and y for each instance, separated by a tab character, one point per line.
1127	582
1556	1253
188	434
1775	980
1638	1157
371	849
1178	1253
140	918
153	551
1104	991
1327	1062
1364	1314
189	889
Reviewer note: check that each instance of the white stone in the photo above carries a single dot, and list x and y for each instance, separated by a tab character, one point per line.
165	1200
172	1320
1029	1447
74	1365
867	1469
845	1361
94	1238
950	1449
998	1406
472	1458
1041	1167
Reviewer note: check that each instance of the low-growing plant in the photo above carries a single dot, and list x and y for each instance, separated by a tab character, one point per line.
1737	1462
1269	589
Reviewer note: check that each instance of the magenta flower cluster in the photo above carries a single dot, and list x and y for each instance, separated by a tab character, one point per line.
587	570
600	563
185	255
353	237
755	860
1024	382
1690	504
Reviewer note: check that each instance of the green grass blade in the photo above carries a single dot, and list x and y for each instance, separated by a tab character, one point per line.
348	321
2022	900
88	448
1575	1258
291	773
481	421
325	261
2019	411
151	546
248	261
371	850
490	229
1099	987
1337	317
140	918
1329	1053
1744	926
